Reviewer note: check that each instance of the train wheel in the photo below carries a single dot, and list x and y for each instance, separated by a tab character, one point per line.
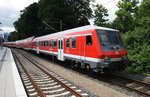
72	65
87	67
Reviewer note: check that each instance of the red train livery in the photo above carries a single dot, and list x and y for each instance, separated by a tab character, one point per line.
90	47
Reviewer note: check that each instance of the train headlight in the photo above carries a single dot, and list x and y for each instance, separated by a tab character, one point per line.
107	58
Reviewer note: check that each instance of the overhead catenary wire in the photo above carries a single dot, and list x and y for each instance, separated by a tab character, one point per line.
108	2
49	26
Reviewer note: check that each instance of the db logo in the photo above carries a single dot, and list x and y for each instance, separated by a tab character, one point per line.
117	52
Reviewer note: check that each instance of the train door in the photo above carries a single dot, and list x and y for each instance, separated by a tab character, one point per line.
82	51
37	45
60	49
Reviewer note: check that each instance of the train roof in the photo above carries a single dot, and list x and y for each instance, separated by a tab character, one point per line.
78	29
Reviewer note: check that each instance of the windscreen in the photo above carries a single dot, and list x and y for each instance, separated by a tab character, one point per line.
109	40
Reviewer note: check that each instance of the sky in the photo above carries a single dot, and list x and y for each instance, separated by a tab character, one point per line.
10	11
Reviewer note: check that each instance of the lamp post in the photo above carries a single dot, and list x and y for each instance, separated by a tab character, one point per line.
1	39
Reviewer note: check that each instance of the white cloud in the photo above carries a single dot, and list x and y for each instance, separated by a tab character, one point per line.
13	16
111	6
7	29
16	4
10	11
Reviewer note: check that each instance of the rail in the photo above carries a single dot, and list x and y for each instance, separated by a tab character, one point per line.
51	76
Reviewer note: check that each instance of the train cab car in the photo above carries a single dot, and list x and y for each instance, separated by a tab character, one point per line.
95	48
10	44
27	43
112	50
90	47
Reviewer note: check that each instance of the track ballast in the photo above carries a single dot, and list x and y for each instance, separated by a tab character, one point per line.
40	82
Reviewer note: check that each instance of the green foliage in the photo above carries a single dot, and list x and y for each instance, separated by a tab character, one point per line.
138	41
100	14
26	25
13	36
72	13
140	60
143	15
126	15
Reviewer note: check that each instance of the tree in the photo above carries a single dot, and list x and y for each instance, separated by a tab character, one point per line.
13	36
138	42
143	15
125	19
26	25
100	14
73	13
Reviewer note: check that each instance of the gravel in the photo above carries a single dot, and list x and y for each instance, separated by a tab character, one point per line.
89	84
36	72
140	77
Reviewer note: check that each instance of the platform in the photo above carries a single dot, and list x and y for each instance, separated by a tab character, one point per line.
10	81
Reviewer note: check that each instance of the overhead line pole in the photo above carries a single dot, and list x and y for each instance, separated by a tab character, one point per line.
60	25
1	40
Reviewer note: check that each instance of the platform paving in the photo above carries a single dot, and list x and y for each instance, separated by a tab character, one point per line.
10	82
2	55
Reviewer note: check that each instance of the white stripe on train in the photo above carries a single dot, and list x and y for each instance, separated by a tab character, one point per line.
78	57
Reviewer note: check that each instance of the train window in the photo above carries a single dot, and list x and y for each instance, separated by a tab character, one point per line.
55	43
88	40
74	42
37	43
42	43
50	43
59	44
46	43
67	43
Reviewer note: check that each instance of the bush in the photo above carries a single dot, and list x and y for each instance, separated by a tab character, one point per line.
138	46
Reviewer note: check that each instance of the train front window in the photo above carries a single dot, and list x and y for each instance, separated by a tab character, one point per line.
109	39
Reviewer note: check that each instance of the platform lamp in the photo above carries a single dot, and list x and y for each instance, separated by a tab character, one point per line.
1	39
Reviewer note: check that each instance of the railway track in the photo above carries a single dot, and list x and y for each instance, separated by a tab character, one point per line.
131	84
40	82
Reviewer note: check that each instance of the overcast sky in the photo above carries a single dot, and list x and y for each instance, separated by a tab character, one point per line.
10	11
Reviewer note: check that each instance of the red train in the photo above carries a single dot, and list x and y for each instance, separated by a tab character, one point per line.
90	47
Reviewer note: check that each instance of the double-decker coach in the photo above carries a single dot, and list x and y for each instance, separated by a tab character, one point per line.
90	47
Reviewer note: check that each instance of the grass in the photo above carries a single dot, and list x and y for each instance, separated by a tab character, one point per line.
147	74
